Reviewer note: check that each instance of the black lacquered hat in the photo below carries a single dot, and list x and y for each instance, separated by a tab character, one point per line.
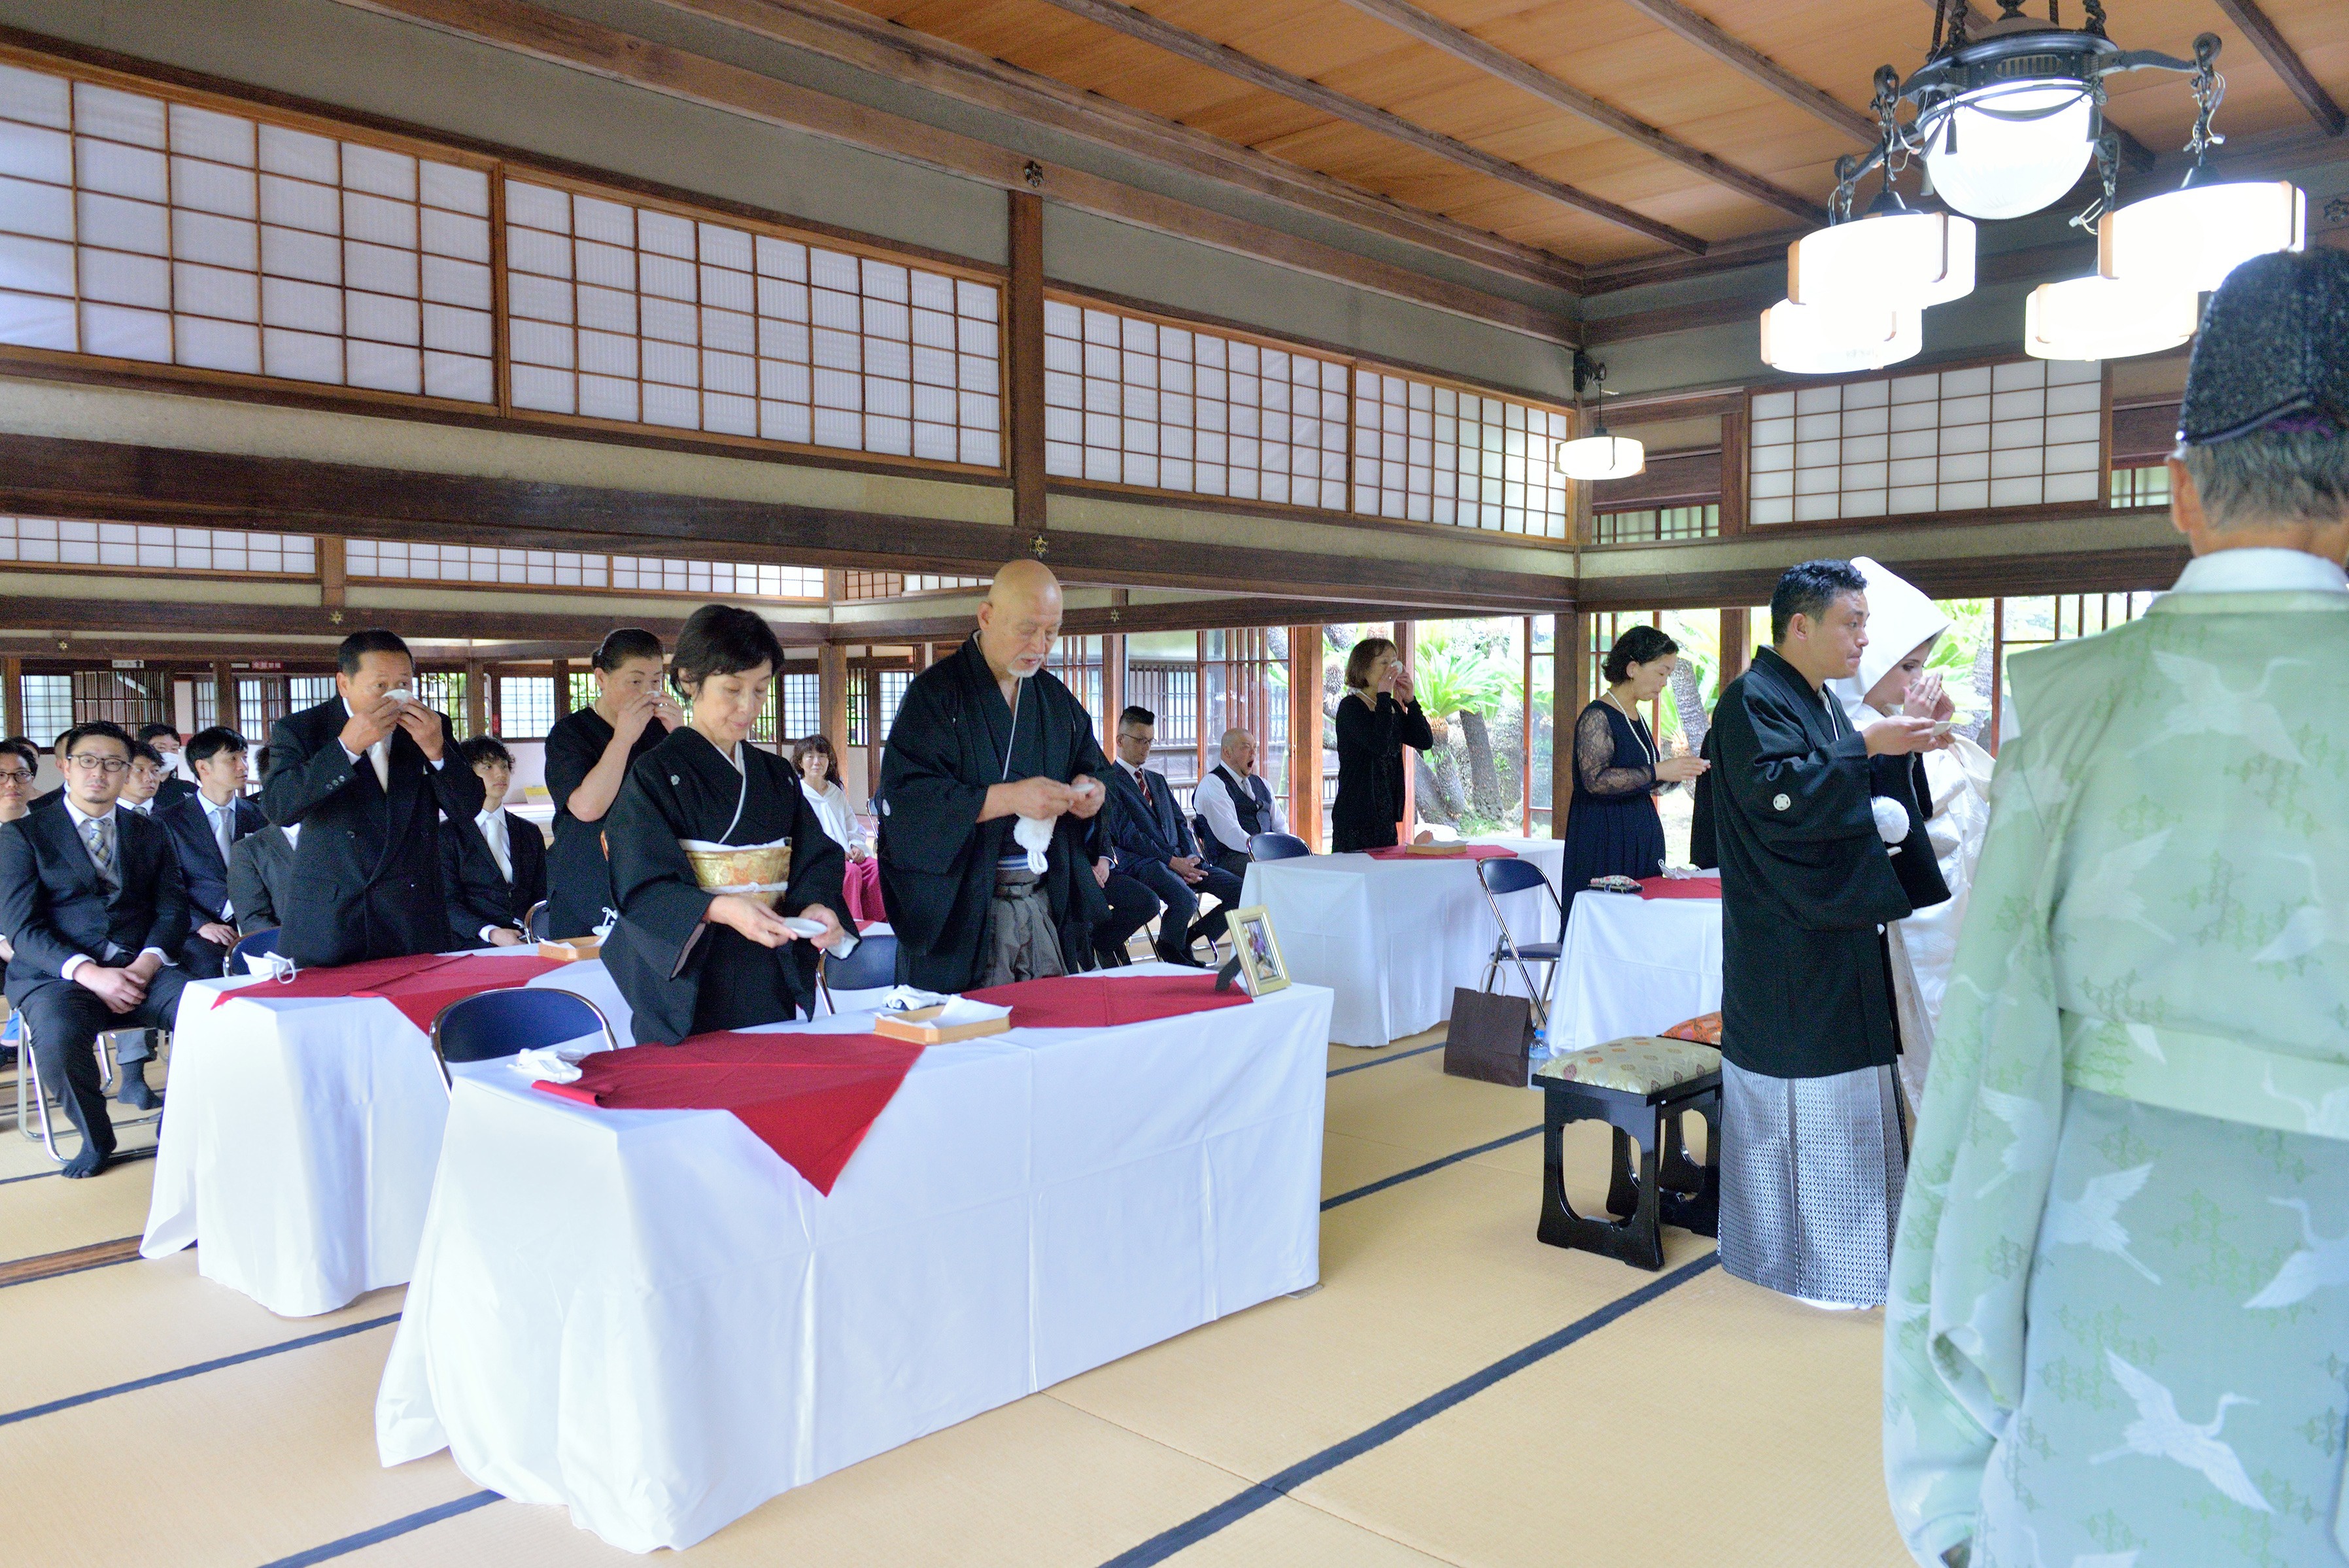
2273	351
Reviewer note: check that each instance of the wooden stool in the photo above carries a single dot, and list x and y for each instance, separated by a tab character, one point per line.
1641	1085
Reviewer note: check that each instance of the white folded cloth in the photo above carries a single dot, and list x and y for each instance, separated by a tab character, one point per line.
559	1063
963	1010
1892	819
1034	834
905	998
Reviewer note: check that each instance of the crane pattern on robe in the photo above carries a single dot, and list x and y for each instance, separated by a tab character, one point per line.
2318	1265
2160	1432
2093	1219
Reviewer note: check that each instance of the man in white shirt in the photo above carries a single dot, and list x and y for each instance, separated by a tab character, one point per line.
205	829
145	780
96	905
1236	805
496	871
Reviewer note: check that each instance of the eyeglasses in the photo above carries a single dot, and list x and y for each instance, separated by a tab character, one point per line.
108	764
14	776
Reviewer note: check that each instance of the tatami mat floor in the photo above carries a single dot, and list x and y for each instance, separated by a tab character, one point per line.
1456	1393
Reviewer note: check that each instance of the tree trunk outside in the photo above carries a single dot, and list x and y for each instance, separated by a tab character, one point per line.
1689	699
1439	800
1483	781
1985	679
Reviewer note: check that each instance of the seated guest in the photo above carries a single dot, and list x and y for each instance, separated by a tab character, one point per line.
1377	718
478	911
1153	843
517	853
20	763
588	754
260	870
144	783
1236	805
204	829
165	740
690	961
93	901
368	774
51	797
1132	907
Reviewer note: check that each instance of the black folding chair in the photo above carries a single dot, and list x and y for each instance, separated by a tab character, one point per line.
1502	876
495	1024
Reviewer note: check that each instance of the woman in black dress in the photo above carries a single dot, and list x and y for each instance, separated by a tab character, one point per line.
1613	828
587	755
1377	718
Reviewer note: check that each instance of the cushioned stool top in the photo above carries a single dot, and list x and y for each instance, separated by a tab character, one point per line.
1637	1064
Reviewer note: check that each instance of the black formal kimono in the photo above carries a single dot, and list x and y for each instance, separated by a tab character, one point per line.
681	974
954	738
1369	770
578	878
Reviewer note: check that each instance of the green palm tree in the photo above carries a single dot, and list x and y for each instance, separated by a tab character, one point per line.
1455	677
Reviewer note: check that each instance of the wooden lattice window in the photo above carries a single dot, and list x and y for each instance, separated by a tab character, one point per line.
1430	453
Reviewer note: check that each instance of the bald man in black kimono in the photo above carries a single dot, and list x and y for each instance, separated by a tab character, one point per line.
983	739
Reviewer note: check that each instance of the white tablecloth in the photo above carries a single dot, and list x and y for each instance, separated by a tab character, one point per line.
302	1135
1634	966
649	1316
1393	938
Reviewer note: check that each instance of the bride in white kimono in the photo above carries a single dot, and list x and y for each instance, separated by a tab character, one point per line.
1902	627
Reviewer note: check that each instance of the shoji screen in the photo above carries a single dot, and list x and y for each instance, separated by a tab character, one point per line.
400	561
642	316
2024	433
140	228
48	541
1431	454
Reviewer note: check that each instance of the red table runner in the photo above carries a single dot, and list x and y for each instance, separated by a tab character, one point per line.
420	985
1469	852
809	1098
1680	887
1098	1002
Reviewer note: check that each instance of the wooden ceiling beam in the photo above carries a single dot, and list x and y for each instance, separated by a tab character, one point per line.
887	48
2286	62
1751	62
597	50
1503	66
1135	23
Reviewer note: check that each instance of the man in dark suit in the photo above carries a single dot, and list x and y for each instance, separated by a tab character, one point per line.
366	775
205	829
165	739
1153	843
142	786
497	871
51	797
92	900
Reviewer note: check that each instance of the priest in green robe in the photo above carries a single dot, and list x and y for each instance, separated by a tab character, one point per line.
2119	1329
991	866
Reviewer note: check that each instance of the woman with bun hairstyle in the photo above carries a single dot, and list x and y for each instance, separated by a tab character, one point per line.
1613	828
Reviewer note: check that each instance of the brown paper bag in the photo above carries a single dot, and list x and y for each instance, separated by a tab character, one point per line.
1491	1038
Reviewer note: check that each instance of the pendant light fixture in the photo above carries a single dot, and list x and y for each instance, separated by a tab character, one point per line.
1894	257
2104	318
1597	455
1829	340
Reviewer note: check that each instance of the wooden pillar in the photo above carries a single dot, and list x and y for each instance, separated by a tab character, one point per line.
477	712
1526	731
1736	621
12	693
831	692
1732	472
224	705
1199	704
1568	633
1024	391
1305	677
1406	641
332	577
1113	684
562	687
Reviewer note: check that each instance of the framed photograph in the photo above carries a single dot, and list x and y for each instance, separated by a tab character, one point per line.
1261	970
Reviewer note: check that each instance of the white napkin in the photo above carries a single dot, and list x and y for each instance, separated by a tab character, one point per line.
963	1010
1034	834
558	1062
275	965
1892	819
905	998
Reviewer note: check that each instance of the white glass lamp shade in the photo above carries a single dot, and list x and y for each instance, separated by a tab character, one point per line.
1601	457
2104	318
1826	340
2007	167
1913	259
2187	242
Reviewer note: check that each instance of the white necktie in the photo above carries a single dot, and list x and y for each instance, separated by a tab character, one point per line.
380	755
493	829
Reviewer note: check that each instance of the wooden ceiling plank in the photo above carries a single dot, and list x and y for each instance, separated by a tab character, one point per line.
2285	60
1135	23
607	52
1753	62
1498	63
854	37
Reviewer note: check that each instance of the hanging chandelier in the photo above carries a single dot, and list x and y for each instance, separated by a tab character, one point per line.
2005	123
1596	456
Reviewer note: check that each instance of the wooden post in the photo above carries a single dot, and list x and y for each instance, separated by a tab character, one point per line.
224	705
1406	641
1732	472
1113	684
477	712
1526	732
1024	391
1568	633
562	687
831	692
1305	677
332	577
1736	621
12	698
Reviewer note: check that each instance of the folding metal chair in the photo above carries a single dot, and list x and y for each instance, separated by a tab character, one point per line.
33	1096
1501	876
1278	847
872	965
259	945
536	920
494	1023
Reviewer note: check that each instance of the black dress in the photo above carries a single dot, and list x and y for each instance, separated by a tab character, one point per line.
578	877
1612	829
1369	770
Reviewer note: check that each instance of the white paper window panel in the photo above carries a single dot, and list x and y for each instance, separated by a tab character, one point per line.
137	229
1427	453
51	542
2027	433
643	317
1135	402
476	563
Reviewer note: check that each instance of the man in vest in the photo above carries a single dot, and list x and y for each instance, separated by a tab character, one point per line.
1234	805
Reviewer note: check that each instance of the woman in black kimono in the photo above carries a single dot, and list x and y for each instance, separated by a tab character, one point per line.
1377	718
1613	828
588	754
691	962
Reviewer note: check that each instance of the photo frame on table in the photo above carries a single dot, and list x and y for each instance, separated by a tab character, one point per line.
1257	946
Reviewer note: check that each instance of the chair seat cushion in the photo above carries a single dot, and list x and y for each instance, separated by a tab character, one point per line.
1705	1029
1637	1064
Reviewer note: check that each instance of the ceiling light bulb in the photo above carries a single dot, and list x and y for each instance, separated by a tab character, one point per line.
2187	242
1601	457
1913	259
2104	318
2010	149
1825	340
